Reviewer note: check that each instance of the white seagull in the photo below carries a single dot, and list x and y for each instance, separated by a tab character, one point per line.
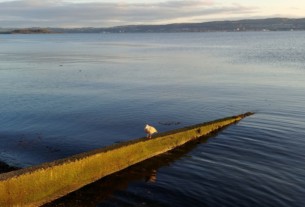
149	130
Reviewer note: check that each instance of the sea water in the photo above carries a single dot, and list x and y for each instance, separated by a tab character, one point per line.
63	94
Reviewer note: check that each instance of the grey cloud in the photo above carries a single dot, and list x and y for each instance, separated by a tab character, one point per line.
58	13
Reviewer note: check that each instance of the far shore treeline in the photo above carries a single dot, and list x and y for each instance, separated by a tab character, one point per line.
270	24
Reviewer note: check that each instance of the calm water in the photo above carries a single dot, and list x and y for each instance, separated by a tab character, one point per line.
65	94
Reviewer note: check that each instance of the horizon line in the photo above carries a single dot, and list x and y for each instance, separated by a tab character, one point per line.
130	25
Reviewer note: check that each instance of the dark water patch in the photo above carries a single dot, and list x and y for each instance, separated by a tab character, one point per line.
6	168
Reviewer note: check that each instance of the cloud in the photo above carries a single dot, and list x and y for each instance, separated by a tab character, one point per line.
60	13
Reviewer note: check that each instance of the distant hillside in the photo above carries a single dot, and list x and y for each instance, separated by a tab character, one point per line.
271	24
276	24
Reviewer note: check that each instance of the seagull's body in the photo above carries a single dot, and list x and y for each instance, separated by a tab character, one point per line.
149	130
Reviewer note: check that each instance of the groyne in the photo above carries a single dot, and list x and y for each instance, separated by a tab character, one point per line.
37	185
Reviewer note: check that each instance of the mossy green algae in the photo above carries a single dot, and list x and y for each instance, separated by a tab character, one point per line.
40	184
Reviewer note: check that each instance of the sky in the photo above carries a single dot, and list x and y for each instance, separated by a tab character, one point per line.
108	13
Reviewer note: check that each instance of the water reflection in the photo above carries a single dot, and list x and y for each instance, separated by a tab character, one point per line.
146	171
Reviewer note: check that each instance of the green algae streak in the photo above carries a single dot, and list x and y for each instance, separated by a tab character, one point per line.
41	184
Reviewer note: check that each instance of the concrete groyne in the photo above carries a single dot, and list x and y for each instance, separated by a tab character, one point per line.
37	185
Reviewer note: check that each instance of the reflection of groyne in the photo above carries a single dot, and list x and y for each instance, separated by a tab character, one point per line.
40	184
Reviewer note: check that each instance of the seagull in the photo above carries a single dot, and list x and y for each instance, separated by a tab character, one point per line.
149	130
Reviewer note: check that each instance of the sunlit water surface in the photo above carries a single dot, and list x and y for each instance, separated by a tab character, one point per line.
65	94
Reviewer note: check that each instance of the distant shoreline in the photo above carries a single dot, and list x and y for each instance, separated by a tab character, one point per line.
270	24
28	31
